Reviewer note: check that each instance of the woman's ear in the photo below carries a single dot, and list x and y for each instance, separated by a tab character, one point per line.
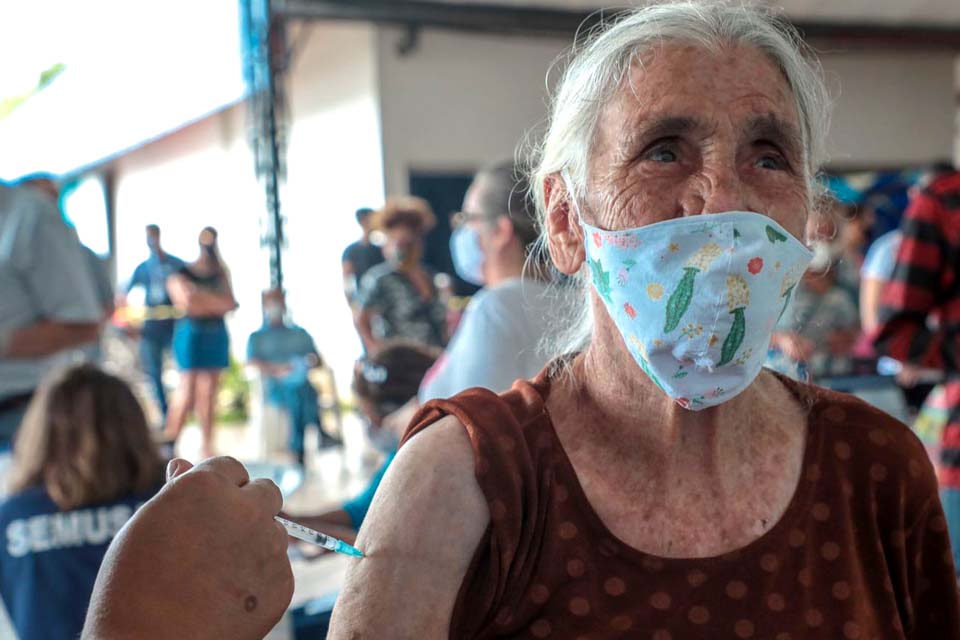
503	233
562	226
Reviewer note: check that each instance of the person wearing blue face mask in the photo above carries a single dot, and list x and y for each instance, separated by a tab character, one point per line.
156	335
494	245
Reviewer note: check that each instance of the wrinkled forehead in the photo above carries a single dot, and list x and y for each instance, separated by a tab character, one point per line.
693	84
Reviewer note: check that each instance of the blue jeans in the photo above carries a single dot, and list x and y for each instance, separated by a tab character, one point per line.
300	403
155	340
951	509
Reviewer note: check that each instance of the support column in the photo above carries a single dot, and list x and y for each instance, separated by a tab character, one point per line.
265	57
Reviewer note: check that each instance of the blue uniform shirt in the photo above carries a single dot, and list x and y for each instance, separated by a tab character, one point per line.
50	558
358	506
152	274
284	344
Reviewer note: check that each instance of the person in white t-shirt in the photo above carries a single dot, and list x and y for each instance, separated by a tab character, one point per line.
498	340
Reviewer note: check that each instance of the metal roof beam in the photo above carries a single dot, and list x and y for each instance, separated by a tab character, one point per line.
531	21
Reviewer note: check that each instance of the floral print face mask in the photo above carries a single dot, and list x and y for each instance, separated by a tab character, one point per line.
696	298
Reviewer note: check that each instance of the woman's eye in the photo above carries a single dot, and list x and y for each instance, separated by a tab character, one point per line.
772	163
663	155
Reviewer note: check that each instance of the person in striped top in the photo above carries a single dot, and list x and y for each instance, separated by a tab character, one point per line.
920	314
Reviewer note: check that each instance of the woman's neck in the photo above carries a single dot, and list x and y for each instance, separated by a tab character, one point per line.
499	275
629	407
500	269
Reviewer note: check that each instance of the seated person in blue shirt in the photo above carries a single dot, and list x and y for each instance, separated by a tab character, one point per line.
83	463
382	383
284	354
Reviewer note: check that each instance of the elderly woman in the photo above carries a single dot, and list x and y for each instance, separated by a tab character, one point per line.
654	483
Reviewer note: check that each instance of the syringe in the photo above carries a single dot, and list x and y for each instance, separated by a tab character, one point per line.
307	534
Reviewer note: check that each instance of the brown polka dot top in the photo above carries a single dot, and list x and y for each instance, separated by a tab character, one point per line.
861	552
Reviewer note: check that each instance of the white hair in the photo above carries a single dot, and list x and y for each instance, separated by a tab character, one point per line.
596	71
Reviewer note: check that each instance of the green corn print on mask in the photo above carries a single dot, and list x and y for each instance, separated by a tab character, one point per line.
696	299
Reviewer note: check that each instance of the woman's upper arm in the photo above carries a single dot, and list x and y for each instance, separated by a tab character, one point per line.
180	290
419	538
228	290
870	289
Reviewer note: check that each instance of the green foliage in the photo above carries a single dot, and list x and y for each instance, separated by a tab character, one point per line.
233	400
47	76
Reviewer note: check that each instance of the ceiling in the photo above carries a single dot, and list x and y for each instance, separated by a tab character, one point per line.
942	13
848	24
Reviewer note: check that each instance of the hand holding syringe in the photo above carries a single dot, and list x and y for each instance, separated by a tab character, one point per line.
307	534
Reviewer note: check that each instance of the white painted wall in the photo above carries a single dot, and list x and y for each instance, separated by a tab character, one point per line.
199	176
891	108
460	100
335	166
204	175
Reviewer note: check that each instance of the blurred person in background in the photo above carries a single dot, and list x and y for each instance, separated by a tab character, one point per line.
398	299
881	258
360	256
84	462
203	294
920	315
49	306
382	383
47	186
815	335
284	354
156	334
847	231
875	275
499	337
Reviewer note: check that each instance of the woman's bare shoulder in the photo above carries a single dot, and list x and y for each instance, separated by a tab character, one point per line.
419	537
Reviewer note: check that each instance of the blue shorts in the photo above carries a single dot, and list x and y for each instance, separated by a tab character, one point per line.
201	343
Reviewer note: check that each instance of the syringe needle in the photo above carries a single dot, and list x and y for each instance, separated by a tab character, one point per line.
307	534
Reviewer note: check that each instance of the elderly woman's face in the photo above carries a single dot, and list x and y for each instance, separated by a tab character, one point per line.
697	132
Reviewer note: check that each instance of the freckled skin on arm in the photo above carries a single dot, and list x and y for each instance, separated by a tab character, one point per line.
419	537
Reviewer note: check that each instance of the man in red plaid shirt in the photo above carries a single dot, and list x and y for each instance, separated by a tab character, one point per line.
920	312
